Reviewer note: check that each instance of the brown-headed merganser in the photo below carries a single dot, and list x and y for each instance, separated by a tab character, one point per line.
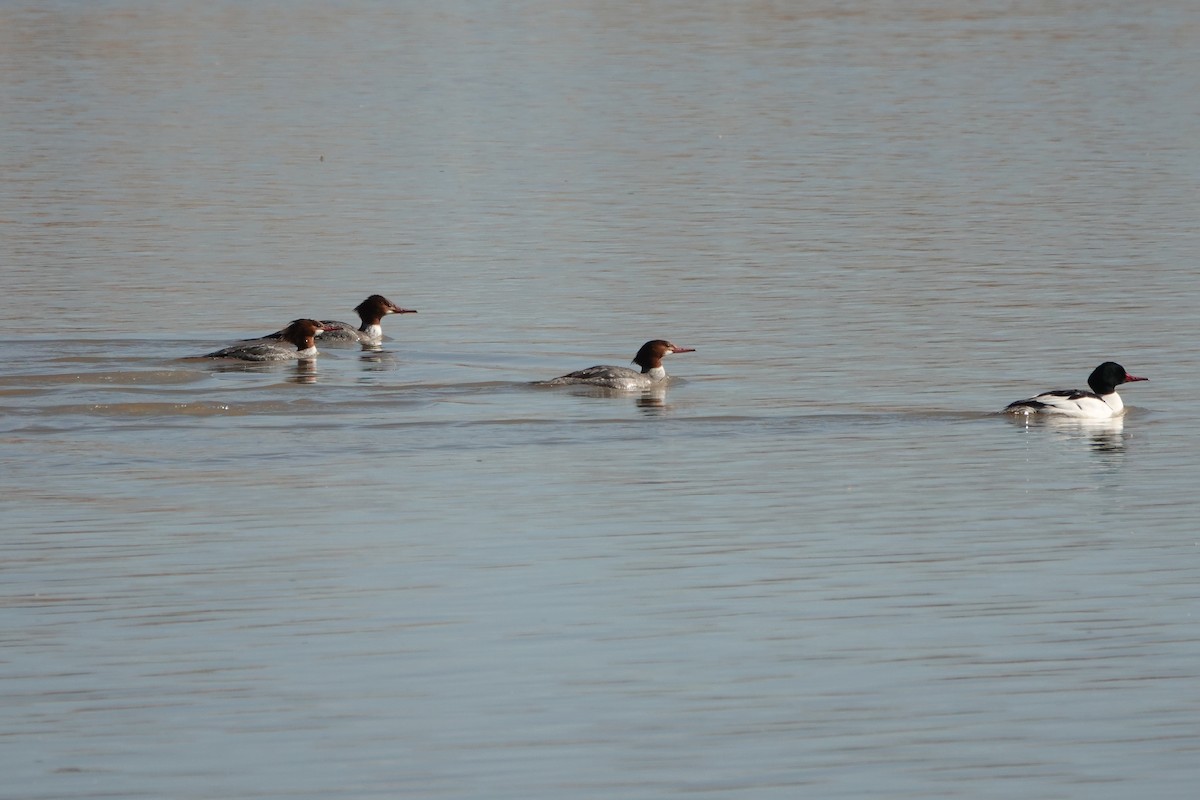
371	311
649	358
297	340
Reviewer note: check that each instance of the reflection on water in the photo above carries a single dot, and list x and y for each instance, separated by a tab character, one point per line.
651	401
375	359
301	369
1104	436
305	371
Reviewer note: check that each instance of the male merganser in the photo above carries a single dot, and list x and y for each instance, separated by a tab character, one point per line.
1101	402
371	311
649	358
295	341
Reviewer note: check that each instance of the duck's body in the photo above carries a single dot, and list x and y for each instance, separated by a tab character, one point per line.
1102	402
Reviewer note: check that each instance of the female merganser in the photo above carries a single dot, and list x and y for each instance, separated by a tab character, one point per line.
371	311
1101	402
649	358
294	341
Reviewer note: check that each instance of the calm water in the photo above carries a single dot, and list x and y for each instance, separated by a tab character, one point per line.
817	566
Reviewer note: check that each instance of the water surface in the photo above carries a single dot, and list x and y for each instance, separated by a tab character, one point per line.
816	565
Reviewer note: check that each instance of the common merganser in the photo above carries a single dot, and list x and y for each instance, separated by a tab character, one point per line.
295	341
649	358
1102	402
371	311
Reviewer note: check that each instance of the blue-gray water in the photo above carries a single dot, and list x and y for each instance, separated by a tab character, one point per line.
817	566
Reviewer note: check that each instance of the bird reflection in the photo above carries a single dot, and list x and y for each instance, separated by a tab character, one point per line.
1103	436
306	371
651	402
375	359
1107	437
